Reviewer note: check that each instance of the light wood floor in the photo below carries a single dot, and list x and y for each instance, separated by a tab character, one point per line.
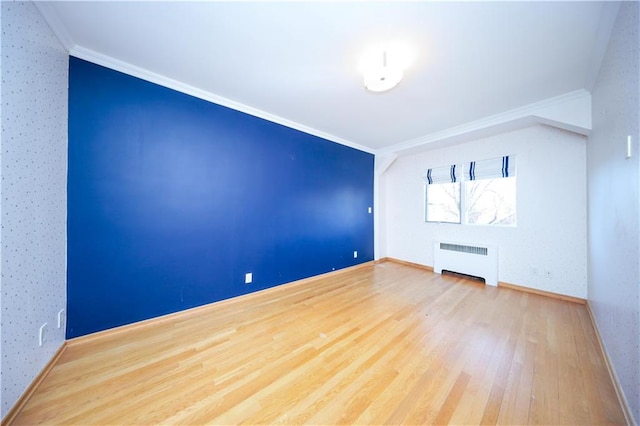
385	344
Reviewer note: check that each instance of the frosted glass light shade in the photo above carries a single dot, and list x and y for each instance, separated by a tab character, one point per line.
382	78
383	66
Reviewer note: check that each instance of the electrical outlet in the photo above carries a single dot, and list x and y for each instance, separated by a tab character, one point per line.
369	210
41	334
248	278
60	318
355	254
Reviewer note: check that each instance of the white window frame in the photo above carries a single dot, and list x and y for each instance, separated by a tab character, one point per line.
488	170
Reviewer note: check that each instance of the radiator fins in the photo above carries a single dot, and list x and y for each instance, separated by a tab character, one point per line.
464	249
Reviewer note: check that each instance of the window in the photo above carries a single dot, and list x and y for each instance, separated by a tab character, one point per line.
443	202
443	195
486	195
491	201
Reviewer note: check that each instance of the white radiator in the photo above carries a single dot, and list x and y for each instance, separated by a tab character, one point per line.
470	259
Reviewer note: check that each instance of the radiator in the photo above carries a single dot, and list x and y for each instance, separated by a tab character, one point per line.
470	259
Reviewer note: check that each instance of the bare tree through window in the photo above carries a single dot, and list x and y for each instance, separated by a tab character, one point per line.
491	201
443	202
486	202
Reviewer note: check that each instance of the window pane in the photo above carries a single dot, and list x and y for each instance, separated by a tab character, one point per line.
443	202
491	201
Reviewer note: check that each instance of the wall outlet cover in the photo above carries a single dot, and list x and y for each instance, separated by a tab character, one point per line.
41	335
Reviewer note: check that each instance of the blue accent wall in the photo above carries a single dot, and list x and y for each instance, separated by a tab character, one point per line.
172	199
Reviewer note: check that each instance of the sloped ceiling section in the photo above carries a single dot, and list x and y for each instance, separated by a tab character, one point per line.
478	66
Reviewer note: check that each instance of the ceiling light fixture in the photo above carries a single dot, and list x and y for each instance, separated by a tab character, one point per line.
383	66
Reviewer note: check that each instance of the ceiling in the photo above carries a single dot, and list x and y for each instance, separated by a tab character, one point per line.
297	62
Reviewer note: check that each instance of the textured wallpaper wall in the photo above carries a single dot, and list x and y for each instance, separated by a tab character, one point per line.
34	177
614	203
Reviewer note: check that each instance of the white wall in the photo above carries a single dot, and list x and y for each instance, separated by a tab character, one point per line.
33	204
551	197
614	203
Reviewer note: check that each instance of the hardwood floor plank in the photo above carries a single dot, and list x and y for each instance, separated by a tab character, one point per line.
451	403
500	382
386	343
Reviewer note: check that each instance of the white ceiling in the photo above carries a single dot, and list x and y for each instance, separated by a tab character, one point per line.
297	62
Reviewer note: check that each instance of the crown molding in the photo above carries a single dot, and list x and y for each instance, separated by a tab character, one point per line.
52	19
135	71
526	115
531	113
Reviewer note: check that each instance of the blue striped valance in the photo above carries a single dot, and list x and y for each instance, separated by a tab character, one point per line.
441	175
492	168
